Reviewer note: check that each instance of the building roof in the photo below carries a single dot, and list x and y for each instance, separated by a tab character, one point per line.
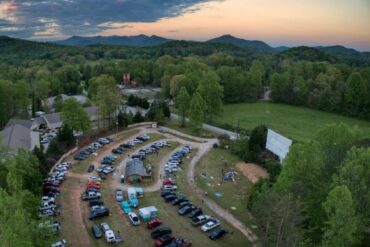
91	111
17	136
53	118
25	123
135	167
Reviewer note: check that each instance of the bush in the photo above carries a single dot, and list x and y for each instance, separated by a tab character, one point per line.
215	145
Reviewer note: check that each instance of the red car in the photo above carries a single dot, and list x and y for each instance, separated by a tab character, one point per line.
163	241
93	186
153	224
168	182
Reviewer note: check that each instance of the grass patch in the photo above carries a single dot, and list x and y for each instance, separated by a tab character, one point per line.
233	194
298	123
173	124
234	238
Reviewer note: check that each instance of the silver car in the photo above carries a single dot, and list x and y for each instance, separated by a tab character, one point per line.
119	195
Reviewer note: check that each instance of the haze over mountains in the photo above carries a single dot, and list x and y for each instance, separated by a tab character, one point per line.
147	41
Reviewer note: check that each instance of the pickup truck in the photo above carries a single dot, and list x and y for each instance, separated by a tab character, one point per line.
90	196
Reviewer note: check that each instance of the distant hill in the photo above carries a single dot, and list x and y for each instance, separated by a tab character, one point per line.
253	45
138	41
338	49
307	54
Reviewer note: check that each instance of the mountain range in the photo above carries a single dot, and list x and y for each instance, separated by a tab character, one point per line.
148	41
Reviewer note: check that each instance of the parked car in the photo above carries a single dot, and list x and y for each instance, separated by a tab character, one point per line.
90	168
119	195
217	233
160	232
60	243
153	224
179	200
163	241
195	212
166	193
184	203
184	210
90	195
96	231
99	213
105	227
95	203
200	220
53	226
169	198
109	236
210	225
134	218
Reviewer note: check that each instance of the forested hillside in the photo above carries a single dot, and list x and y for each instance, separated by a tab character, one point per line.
31	71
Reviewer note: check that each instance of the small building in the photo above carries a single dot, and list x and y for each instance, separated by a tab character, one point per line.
135	171
20	134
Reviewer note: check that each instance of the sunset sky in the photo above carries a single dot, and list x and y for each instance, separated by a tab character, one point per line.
277	22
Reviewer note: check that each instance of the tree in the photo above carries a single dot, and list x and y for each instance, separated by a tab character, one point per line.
356	93
302	177
212	94
257	142
341	226
122	119
75	116
22	100
279	216
108	98
183	104
355	174
335	140
6	101
58	103
138	118
197	110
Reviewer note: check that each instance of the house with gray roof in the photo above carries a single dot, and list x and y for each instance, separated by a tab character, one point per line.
135	171
20	134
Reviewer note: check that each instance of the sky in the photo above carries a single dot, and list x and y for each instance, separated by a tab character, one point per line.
277	22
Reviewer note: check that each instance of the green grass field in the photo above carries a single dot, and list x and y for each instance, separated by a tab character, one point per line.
294	122
234	196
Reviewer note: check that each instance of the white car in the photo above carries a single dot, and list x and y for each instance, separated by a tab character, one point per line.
105	227
134	218
95	178
60	243
109	236
119	195
210	225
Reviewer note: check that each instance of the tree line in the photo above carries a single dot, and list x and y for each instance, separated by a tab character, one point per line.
321	197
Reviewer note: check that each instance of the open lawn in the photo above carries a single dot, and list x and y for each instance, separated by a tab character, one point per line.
234	238
176	125
230	196
295	122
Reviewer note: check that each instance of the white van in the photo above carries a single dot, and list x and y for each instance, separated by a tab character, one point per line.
109	236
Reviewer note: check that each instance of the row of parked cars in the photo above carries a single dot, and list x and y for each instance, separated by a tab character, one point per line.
48	206
174	163
194	213
130	144
85	153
